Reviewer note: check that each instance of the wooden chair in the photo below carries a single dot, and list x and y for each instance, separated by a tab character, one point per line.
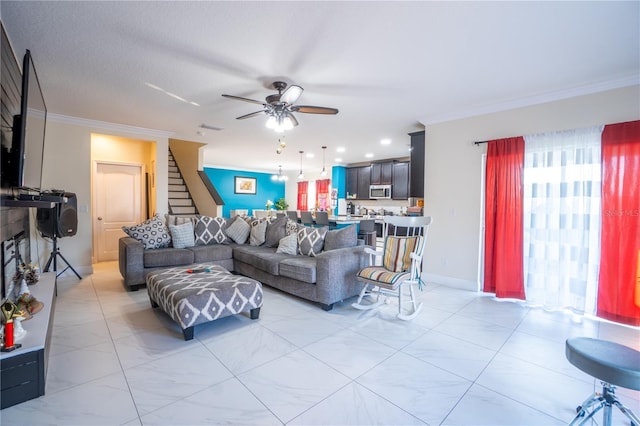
401	265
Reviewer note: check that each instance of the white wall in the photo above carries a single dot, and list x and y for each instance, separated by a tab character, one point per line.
67	166
453	171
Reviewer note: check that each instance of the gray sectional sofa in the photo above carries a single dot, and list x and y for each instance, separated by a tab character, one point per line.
327	277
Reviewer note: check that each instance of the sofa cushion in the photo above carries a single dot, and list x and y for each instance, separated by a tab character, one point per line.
263	258
311	240
301	268
341	238
211	253
167	257
182	235
210	230
258	232
239	230
152	233
276	230
288	245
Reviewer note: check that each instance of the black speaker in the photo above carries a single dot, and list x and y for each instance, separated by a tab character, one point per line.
61	220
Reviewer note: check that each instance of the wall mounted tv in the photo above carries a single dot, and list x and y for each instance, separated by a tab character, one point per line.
22	161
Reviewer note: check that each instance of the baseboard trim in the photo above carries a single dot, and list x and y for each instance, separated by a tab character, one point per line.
451	282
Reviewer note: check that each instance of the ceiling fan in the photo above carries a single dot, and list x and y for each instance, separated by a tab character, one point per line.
280	107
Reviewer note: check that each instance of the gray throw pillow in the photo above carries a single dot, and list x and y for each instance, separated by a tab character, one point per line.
311	240
276	230
341	238
258	232
288	245
152	233
239	230
182	235
210	230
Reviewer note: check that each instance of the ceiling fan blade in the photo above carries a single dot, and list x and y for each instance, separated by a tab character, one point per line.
240	98
253	114
309	109
291	94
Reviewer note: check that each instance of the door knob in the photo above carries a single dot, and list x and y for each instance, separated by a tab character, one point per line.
99	218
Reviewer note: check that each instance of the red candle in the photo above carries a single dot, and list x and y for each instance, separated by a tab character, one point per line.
8	334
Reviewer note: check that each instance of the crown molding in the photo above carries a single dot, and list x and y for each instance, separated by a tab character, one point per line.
103	125
588	89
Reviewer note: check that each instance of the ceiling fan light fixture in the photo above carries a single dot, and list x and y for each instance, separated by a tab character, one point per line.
271	122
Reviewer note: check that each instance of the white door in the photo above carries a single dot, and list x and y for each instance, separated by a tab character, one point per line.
118	196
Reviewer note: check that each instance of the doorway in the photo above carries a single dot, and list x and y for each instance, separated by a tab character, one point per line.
118	198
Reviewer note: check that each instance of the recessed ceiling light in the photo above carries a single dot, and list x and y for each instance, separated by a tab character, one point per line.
338	160
340	149
385	141
368	155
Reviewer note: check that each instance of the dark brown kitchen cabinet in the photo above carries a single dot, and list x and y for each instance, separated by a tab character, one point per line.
382	173
417	164
364	181
351	182
400	189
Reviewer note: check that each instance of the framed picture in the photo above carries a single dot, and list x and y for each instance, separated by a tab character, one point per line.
245	185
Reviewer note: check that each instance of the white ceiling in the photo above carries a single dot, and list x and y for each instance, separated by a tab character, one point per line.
389	67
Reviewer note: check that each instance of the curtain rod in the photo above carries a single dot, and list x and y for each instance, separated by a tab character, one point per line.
479	142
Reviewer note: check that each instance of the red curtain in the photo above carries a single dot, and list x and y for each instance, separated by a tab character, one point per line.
619	281
503	257
303	188
322	194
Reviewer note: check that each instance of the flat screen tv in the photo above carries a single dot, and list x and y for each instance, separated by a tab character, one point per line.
22	162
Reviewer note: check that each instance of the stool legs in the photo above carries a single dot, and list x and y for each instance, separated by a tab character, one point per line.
605	401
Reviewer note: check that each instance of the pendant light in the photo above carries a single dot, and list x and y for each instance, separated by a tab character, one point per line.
324	170
301	175
279	177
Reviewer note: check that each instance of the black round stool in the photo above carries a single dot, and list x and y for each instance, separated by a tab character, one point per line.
612	363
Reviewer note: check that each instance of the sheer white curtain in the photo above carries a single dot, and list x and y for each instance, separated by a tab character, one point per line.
562	219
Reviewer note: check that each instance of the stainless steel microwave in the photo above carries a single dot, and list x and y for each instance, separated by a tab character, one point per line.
377	192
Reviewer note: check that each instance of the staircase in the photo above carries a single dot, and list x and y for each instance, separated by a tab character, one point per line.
180	202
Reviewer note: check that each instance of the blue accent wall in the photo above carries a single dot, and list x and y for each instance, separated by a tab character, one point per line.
224	182
339	180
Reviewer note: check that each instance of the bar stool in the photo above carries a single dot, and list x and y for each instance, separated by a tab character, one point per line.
367	232
612	363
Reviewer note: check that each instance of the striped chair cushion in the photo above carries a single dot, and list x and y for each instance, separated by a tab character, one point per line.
397	250
383	277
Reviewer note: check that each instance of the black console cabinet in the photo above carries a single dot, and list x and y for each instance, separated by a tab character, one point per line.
23	371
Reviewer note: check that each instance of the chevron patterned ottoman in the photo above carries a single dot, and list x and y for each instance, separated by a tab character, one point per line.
199	293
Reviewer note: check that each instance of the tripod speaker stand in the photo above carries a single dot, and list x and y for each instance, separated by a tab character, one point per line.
53	258
59	221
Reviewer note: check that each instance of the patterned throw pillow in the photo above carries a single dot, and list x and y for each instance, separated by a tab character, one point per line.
397	250
210	230
311	240
291	227
288	245
182	235
258	232
152	233
239	230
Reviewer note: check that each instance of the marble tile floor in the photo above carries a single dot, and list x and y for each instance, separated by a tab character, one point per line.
468	359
